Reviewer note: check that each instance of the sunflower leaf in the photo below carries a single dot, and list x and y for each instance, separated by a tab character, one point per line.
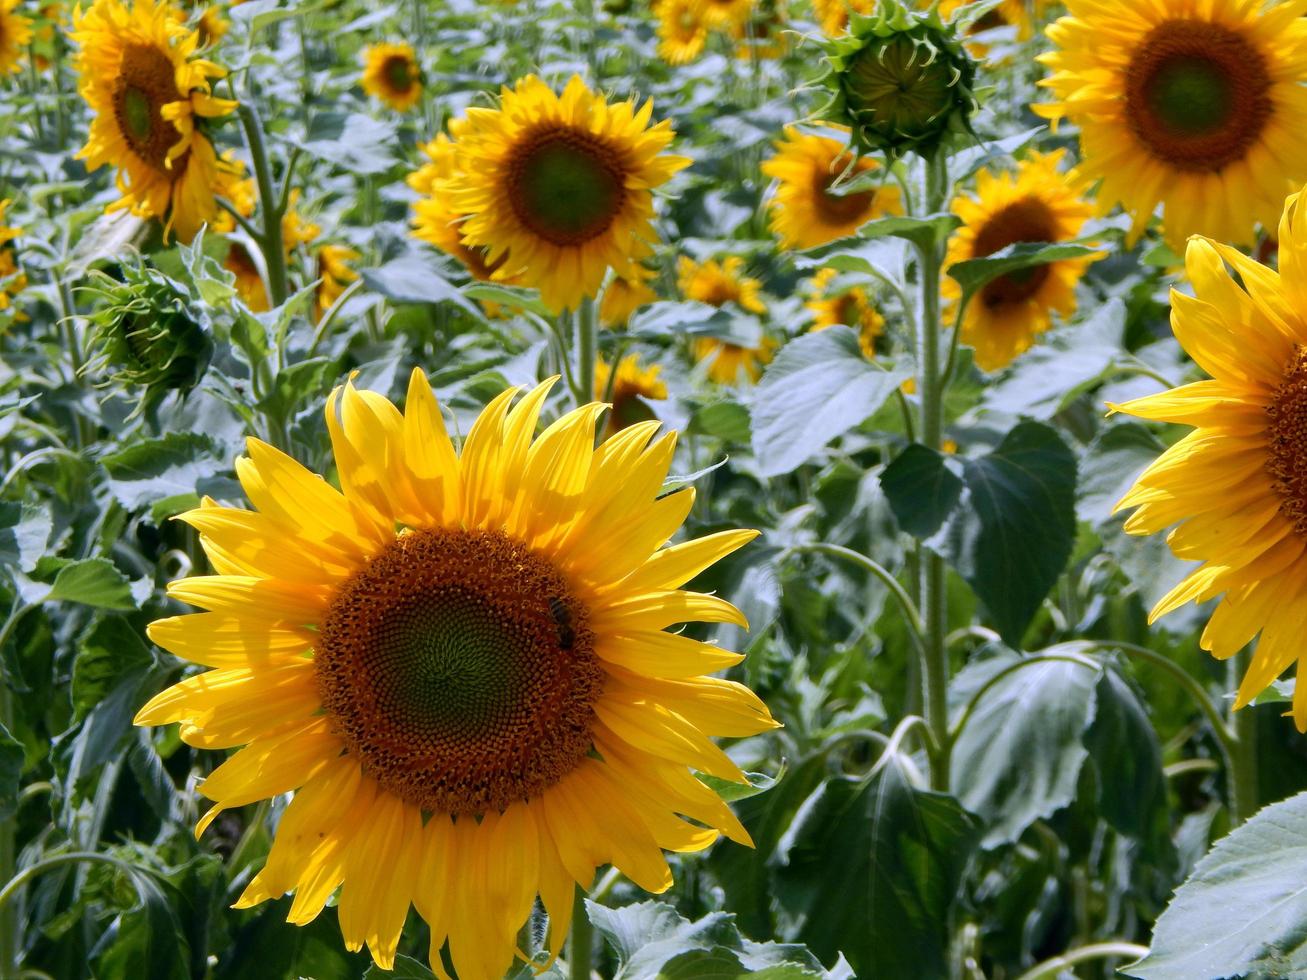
974	274
921	489
92	582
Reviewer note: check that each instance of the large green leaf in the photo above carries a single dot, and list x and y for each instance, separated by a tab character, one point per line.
1012	535
1015	260
1243	912
416	279
175	464
921	489
110	654
92	582
24	532
1019	754
1110	467
819	387
353	141
12	758
871	868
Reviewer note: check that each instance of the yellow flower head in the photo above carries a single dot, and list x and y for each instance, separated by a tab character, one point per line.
12	279
623	296
15	35
1197	107
249	279
459	664
631	388
1235	489
804	211
718	283
335	274
391	74
212	26
1037	204
833	15
561	184
682	30
726	15
1009	13
849	306
728	363
137	73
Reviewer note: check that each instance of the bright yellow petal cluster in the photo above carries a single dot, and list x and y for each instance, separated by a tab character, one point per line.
136	72
1196	106
833	15
718	283
849	306
335	273
12	279
558	187
391	74
623	296
598	518
730	364
1036	204
15	35
682	30
1235	488
805	211
726	15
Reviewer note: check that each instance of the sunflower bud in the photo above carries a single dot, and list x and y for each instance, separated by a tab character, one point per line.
148	334
901	81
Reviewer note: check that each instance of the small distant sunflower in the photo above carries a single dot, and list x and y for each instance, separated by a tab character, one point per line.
763	35
12	279
1009	13
15	35
729	363
804	211
391	74
562	184
682	30
833	15
1199	107
1038	204
726	15
1235	489
249	279
624	295
718	283
849	306
211	26
335	274
632	387
459	664
148	94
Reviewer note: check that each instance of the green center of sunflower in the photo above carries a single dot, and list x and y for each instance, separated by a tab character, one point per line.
1286	413
1024	220
1197	94
146	83
459	668
566	185
399	73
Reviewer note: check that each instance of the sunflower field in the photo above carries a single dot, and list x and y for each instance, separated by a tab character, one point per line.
631	489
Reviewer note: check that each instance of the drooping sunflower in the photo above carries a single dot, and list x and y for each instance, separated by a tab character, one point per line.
1037	204
624	295
391	74
1237	485
148	93
850	306
833	15
1198	107
335	273
804	211
461	668
15	35
628	390
562	184
718	283
682	30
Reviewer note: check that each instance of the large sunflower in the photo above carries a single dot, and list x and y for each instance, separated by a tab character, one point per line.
391	74
682	30
562	184
478	707
1237	484
1038	204
804	211
137	74
15	35
1196	106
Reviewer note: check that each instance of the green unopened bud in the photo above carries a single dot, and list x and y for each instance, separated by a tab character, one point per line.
148	334
901	81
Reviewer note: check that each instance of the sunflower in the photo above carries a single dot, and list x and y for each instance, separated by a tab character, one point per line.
728	363
15	35
726	15
240	263
849	306
562	184
334	274
1038	204
481	706
718	283
12	279
1237	484
137	75
762	35
833	15
212	25
628	390
391	74
1009	13
682	30
624	295
804	211
1198	107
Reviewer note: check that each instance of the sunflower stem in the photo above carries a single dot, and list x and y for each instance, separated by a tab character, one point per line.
933	605
586	345
580	941
1243	752
269	238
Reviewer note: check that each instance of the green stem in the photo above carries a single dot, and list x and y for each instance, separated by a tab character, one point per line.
581	940
1243	753
8	839
930	396
269	239
586	345
15	883
1057	964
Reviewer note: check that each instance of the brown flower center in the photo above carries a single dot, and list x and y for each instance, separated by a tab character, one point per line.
1197	94
1287	440
840	209
145	84
1024	220
566	185
399	73
459	667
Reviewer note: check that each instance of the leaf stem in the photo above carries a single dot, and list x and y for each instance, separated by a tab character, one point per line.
1096	951
581	940
1242	774
586	346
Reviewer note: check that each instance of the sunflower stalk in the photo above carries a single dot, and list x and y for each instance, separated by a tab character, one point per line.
1243	753
271	205
581	940
586	346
